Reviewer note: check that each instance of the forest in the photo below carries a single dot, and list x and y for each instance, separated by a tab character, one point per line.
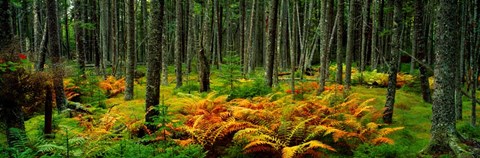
239	78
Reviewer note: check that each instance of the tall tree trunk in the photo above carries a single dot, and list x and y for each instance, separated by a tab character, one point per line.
6	33
249	58
130	75
37	28
375	29
142	31
272	37
365	34
154	60
395	52
54	50
204	71
340	35
243	52
219	11
48	111
79	35
445	138
178	43
350	44
42	54
420	48
67	34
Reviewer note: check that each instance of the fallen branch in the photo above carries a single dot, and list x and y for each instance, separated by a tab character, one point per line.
469	96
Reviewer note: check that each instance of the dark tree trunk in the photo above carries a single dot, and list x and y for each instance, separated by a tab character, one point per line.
350	44
130	49
243	52
79	35
54	49
340	35
204	71
6	33
395	52
48	111
272	38
420	48
154	63
178	43
445	138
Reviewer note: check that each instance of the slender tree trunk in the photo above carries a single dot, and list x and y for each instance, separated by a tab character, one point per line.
350	44
67	34
79	35
243	52
396	48
340	35
142	31
272	35
375	29
249	59
54	50
37	29
420	48
39	66
130	75
204	71
154	60
178	43
6	33
365	33
48	111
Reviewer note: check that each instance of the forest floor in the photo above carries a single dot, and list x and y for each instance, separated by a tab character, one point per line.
411	112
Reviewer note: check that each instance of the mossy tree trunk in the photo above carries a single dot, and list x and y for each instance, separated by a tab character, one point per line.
393	67
130	16
445	138
154	63
272	41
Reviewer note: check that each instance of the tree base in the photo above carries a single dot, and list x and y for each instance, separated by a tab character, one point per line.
455	146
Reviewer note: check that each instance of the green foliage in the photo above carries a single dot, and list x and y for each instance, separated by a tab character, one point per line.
165	121
189	87
230	72
384	150
90	92
258	88
469	131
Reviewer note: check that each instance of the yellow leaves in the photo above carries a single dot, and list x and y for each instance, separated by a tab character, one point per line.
112	86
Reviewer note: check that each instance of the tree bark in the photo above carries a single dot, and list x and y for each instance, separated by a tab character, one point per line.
54	46
79	35
178	43
6	34
48	111
130	75
420	48
154	60
445	137
204	71
393	68
243	52
340	35
272	37
365	34
350	44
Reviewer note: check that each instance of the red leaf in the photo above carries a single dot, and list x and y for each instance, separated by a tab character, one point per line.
22	56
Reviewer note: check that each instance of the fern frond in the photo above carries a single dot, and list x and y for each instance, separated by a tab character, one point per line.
315	144
289	152
381	140
386	131
50	148
259	143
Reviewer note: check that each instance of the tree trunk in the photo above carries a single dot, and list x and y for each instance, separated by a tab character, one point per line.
272	38
130	75
154	60
67	34
365	33
420	48
178	43
79	35
6	33
47	130
37	28
350	44
39	66
54	46
340	35
395	52
445	137
204	71
250	48
243	52
142	31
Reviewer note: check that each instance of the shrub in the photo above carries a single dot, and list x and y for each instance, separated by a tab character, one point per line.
258	88
89	91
